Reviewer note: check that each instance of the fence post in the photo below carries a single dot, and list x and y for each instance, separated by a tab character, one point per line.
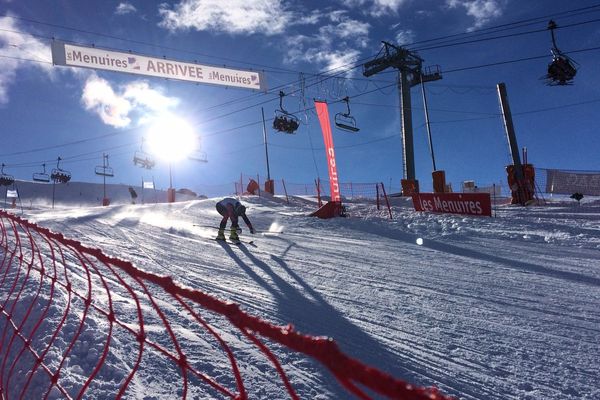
318	185
494	204
377	194
258	181
287	200
387	201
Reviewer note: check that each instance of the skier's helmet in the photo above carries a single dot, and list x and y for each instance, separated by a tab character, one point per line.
239	209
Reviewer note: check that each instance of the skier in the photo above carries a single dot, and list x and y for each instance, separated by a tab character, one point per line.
231	208
133	194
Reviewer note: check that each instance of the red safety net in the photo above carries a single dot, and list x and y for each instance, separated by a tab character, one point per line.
63	303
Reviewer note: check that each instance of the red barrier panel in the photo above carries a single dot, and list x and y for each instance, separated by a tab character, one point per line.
57	295
454	203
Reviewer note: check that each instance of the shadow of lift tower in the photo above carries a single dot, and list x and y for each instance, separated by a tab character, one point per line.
410	73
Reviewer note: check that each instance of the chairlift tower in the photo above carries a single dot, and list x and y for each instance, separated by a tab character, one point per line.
410	73
104	171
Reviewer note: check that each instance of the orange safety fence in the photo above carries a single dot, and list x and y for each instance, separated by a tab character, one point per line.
62	301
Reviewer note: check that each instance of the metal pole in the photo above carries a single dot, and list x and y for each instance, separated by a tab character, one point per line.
104	159
407	129
265	139
170	177
510	130
427	122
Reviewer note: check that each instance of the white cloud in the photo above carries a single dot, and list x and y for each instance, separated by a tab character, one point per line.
482	10
140	93
125	8
376	8
334	61
16	48
334	45
233	16
100	97
404	37
119	108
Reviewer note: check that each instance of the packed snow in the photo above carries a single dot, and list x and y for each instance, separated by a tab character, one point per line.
506	307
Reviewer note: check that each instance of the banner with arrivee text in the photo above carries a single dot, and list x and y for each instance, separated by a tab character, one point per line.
72	55
454	203
323	113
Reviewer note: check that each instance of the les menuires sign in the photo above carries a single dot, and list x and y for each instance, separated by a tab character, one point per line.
454	203
91	57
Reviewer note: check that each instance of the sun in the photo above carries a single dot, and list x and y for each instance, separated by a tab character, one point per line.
171	138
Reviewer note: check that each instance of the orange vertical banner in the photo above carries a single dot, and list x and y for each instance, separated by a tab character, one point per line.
323	114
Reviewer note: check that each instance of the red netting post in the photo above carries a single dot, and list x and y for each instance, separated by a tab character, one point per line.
318	185
387	202
285	191
494	202
258	181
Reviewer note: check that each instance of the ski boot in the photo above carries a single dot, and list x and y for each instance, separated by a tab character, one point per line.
233	236
221	235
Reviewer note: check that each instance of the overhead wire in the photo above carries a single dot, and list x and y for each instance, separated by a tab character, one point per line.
319	77
510	25
504	36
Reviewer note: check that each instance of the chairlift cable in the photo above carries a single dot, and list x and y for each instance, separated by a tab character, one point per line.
447	71
154	45
183	50
62	145
536	19
504	36
497	63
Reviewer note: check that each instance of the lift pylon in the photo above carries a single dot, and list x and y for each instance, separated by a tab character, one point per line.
410	73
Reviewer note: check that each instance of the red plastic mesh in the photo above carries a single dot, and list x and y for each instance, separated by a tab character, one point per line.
57	295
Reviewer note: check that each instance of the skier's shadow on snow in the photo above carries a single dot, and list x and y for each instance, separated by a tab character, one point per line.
311	314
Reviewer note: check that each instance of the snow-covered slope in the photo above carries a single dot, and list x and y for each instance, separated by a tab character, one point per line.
485	308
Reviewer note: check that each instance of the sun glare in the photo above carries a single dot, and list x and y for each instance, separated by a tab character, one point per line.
171	138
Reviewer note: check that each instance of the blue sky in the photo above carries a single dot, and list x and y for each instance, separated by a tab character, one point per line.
49	111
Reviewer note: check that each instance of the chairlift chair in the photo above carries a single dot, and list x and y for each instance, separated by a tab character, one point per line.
59	175
143	159
41	176
199	157
561	70
284	121
105	169
345	121
5	179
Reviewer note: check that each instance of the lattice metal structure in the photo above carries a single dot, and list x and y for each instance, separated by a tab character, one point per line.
410	73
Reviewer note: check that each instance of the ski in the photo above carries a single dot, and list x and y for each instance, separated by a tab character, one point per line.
236	242
264	232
